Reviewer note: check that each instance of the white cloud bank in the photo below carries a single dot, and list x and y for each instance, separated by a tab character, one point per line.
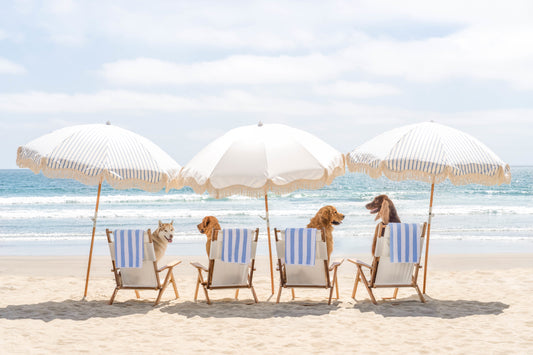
8	67
235	101
481	53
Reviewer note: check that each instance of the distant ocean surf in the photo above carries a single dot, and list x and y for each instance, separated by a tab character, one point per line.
41	216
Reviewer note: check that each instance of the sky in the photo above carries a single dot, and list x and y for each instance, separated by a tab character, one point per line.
182	73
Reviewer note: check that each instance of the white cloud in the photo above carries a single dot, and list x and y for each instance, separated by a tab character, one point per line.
338	112
8	67
502	53
496	53
356	89
238	69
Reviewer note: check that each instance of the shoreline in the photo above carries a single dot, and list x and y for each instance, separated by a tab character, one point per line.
344	247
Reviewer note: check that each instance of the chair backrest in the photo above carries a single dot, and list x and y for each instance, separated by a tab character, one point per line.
227	274
145	276
386	272
305	275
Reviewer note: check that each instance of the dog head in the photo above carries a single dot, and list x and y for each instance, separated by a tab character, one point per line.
209	223
381	206
329	215
166	230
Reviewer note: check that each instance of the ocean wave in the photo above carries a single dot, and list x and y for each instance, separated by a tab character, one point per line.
306	211
192	236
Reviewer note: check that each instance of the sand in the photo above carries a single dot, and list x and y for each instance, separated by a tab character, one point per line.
475	304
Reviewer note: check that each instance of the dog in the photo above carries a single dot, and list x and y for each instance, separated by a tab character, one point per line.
383	207
161	237
324	220
208	226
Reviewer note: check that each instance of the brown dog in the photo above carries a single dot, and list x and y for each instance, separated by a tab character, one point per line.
383	207
208	226
324	220
161	237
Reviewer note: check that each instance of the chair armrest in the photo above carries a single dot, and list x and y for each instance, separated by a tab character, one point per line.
335	264
169	265
359	262
199	266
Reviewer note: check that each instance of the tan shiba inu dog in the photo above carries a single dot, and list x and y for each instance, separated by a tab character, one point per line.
161	237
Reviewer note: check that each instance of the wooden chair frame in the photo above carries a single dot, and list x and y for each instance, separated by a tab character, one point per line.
207	283
169	277
331	282
370	282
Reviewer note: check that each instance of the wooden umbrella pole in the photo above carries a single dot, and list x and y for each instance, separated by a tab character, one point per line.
427	239
269	244
92	239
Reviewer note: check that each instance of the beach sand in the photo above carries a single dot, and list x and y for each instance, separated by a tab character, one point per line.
475	304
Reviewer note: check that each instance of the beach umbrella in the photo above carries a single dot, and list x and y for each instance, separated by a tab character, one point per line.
429	152
257	159
96	153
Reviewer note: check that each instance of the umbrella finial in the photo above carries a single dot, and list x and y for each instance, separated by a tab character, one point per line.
108	123
260	124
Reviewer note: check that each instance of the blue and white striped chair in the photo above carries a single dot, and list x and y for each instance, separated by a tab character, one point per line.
135	265
303	261
231	262
392	266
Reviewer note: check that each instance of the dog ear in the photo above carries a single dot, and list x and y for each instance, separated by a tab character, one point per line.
385	212
172	222
160	223
325	216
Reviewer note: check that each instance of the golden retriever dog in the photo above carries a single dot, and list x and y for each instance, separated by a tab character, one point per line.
161	237
324	220
383	207
208	226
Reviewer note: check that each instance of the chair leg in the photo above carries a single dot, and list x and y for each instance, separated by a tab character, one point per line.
137	294
206	295
198	280
337	286
163	287
330	294
113	295
293	294
357	277
422	299
395	293
173	281
334	286
365	282
236	294
253	294
279	293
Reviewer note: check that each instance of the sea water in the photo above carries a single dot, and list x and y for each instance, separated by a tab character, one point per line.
42	216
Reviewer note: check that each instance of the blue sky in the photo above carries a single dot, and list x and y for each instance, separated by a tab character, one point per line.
184	72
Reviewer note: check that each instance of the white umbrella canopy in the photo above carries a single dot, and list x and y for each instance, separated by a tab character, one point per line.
96	153
429	152
253	160
432	153
257	159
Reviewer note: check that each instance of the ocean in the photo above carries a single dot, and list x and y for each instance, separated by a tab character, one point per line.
41	216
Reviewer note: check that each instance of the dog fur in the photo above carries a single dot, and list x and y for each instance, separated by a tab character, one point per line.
383	207
161	237
324	220
208	225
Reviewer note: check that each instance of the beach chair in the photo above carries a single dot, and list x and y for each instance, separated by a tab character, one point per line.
387	273
305	270
145	274
231	262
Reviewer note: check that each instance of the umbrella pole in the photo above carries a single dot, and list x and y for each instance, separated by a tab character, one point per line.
269	244
427	239
92	239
